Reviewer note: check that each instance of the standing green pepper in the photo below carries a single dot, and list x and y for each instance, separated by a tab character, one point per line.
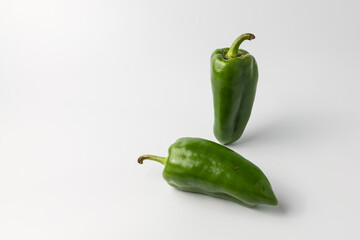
234	75
202	166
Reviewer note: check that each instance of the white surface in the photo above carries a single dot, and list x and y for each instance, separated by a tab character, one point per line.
88	86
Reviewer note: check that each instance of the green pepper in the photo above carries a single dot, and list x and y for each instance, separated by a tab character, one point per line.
202	166
234	75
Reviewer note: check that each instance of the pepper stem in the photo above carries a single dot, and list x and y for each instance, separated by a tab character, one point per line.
161	160
233	51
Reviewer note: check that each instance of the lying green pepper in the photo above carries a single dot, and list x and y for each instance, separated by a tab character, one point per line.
202	166
234	75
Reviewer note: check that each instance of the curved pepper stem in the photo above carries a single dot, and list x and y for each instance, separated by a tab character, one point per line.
233	51
161	160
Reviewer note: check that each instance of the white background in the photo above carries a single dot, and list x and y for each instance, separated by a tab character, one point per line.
86	87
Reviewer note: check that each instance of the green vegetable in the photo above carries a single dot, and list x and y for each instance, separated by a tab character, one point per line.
202	166
234	75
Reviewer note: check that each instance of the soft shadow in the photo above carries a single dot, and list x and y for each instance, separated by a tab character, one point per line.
281	209
283	129
291	202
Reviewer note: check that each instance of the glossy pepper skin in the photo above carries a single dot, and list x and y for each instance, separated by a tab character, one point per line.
202	166
234	77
